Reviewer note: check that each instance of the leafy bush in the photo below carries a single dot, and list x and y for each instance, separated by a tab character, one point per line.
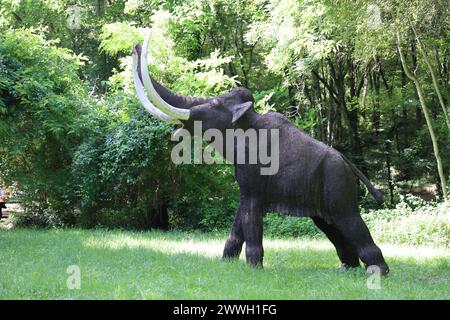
277	225
412	222
35	216
41	98
217	214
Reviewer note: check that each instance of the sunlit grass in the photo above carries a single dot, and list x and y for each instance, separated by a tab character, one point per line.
156	265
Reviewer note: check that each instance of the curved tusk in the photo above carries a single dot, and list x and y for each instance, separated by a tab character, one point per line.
177	113
143	98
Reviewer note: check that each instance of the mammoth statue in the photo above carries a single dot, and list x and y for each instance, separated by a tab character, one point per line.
313	180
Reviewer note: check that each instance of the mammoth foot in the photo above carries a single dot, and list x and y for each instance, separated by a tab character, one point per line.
381	269
254	256
232	250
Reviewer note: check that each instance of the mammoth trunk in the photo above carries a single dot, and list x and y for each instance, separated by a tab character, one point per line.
174	99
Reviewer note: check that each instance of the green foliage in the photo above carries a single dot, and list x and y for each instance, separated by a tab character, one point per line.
72	24
116	37
206	200
277	225
296	33
200	77
42	97
412	222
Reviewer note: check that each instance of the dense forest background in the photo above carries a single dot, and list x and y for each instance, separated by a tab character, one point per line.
369	78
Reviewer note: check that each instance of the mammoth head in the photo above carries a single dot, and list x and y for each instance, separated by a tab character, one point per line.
220	112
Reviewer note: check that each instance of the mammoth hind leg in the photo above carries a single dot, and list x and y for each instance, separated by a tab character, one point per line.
356	232
345	250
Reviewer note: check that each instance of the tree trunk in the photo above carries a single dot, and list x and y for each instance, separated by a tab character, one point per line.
426	113
433	77
100	7
388	171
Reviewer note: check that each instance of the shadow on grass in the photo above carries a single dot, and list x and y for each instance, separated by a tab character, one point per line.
124	265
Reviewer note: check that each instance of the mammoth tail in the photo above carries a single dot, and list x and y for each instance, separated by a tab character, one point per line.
373	191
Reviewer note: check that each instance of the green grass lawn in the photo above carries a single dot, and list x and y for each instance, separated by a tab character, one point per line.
156	265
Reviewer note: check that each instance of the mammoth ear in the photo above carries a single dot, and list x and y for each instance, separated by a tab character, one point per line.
240	109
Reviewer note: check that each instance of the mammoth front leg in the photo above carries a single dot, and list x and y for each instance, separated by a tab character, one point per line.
233	246
248	227
252	226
